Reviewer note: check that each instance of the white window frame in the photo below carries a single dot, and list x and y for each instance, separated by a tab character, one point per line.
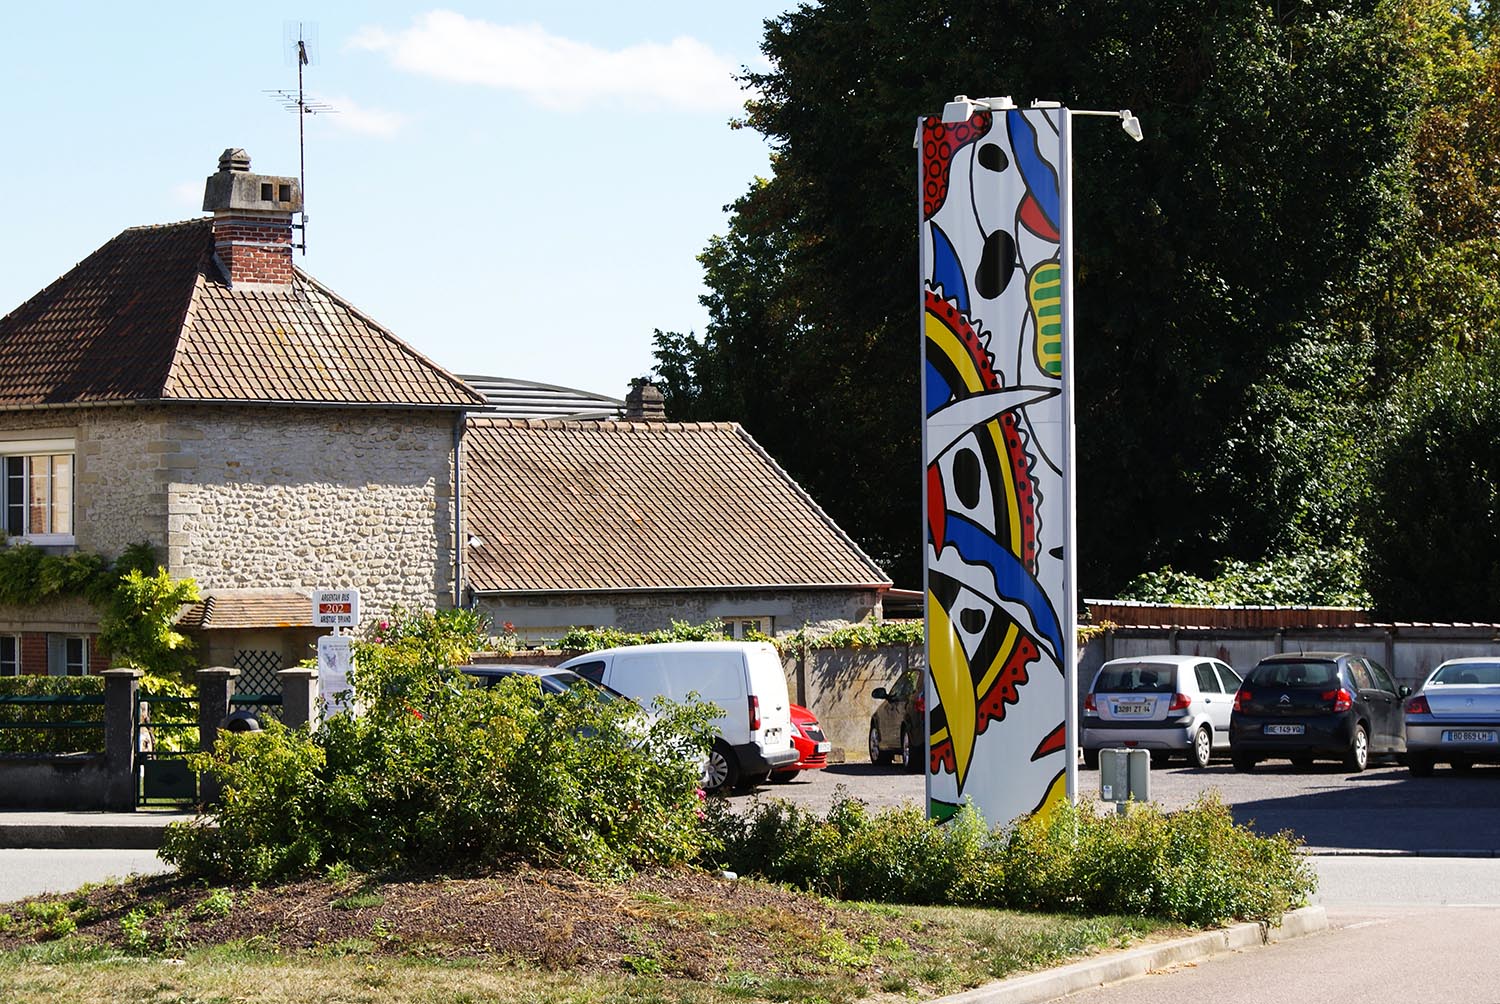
737	626
60	661
29	450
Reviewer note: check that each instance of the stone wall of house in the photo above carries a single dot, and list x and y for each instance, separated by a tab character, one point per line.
308	498
544	618
119	475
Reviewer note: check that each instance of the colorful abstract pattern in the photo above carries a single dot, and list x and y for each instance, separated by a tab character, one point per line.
994	436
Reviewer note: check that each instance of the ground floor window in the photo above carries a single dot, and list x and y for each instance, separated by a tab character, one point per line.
67	655
741	627
10	655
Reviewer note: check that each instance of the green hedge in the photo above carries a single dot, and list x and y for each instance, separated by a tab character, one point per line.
1195	866
35	740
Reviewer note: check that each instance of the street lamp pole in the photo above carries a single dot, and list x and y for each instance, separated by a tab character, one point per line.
1132	127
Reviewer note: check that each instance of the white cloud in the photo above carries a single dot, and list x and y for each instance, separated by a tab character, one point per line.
351	116
557	72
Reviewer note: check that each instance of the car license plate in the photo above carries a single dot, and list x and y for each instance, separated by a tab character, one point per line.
1285	730
823	747
1132	709
1468	736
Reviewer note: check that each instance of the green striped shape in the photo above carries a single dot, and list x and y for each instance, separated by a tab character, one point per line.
1044	293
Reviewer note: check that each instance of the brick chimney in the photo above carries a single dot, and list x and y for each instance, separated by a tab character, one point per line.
252	221
644	403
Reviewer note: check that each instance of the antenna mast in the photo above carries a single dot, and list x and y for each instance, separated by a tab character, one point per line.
301	45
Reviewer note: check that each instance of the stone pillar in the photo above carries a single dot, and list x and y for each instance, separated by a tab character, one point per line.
299	697
120	687
215	688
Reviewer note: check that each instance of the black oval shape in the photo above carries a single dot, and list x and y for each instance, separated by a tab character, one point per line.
972	620
996	265
966	473
992	157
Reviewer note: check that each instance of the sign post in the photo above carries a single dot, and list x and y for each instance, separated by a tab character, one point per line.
337	609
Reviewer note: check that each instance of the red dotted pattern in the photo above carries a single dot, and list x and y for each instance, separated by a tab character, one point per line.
939	143
953	319
1006	688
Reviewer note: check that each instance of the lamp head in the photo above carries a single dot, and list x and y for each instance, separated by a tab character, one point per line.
1131	125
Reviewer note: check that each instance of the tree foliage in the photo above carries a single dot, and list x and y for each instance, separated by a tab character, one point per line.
1311	213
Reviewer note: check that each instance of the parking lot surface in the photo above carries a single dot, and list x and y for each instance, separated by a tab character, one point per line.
1384	809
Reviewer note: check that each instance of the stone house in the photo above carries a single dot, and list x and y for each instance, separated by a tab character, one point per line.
187	385
638	522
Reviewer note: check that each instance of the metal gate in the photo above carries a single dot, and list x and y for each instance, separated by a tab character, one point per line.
166	731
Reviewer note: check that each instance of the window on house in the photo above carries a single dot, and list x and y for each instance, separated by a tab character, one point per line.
67	655
10	655
742	627
38	492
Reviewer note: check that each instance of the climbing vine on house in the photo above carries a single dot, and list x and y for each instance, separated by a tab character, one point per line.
137	599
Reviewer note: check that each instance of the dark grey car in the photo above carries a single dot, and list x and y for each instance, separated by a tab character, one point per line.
1317	705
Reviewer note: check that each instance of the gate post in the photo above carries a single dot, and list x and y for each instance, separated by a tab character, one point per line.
120	687
215	688
299	697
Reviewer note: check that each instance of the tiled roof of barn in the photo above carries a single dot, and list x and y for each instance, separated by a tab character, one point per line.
603	506
149	317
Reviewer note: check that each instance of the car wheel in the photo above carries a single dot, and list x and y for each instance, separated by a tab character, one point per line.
878	755
1359	750
1420	764
1243	764
784	776
1203	746
910	758
1091	759
720	771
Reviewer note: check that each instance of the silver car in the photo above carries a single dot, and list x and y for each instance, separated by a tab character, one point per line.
1168	704
1455	716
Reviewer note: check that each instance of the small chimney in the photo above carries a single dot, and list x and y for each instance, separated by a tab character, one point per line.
252	222
644	403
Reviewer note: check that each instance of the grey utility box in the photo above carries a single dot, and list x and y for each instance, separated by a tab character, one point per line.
1125	776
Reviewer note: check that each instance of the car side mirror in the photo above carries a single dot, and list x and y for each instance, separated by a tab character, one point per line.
878	693
1405	690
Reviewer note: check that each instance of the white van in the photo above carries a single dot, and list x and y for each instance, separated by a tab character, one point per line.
744	679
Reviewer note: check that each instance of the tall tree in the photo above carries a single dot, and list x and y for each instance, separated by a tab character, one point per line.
1213	259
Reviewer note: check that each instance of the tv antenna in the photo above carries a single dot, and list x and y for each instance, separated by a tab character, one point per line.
300	45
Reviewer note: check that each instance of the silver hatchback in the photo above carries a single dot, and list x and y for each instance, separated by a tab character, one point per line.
1168	704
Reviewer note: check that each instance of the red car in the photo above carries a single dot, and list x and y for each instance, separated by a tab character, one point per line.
812	747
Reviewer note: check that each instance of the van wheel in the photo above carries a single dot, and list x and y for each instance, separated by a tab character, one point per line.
1203	746
1091	759
878	755
720	771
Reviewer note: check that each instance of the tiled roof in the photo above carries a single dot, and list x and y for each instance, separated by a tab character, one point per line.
149	317
225	609
603	506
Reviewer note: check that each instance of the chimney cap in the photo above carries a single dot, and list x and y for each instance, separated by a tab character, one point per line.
234	159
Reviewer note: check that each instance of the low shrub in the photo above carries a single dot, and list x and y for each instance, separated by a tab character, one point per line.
44	740
442	773
1195	866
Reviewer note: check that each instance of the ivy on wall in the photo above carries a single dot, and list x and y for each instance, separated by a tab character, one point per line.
138	600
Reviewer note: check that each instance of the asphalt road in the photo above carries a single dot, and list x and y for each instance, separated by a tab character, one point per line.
1383	809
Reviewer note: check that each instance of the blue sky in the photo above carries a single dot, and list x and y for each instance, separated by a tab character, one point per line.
514	189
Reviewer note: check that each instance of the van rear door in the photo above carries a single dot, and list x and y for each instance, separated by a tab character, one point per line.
768	686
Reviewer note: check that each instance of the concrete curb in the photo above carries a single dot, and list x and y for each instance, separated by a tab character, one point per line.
86	831
1037	987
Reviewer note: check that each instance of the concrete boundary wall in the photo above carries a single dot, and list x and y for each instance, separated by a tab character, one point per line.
1410	652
